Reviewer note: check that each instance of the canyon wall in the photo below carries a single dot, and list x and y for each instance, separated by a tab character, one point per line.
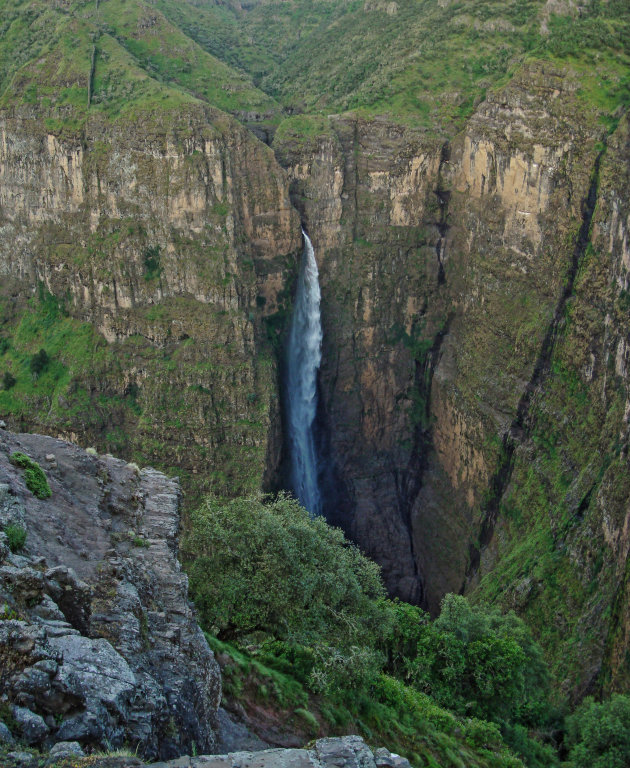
472	414
174	238
451	278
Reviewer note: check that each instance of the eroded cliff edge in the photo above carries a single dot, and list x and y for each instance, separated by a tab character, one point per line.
173	237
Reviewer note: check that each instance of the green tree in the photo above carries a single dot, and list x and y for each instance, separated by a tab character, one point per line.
267	567
479	662
8	380
598	735
39	362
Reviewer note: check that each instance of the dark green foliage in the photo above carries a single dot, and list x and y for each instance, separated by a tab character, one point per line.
406	630
4	345
34	476
266	576
39	362
478	662
16	537
8	380
598	735
271	568
152	268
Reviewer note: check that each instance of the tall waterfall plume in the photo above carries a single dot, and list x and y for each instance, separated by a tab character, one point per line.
304	355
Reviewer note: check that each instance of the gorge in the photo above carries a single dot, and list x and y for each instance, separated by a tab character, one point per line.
460	402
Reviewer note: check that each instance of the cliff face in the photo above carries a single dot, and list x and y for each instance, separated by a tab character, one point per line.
98	642
150	252
366	193
565	498
453	279
173	237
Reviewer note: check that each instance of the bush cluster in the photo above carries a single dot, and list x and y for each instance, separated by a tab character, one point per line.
39	362
16	537
34	476
264	574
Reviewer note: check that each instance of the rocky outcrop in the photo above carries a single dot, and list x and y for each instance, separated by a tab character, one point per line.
344	752
98	641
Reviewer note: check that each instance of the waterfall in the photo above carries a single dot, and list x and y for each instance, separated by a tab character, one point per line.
303	358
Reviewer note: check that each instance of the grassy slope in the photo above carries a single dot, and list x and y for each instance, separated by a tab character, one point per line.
413	60
406	721
142	61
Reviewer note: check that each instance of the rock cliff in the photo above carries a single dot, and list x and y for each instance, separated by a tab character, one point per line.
173	238
472	240
99	644
454	279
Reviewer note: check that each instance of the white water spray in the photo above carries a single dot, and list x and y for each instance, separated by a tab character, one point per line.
304	355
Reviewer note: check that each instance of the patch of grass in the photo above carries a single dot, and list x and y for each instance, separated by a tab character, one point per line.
16	537
34	476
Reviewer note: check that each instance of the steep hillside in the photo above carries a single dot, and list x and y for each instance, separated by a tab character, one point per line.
133	206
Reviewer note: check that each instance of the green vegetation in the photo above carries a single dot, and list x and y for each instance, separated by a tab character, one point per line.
310	583
302	616
418	63
8	380
16	536
152	268
34	476
38	363
599	734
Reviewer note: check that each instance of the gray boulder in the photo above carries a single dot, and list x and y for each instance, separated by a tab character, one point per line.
5	735
31	727
66	749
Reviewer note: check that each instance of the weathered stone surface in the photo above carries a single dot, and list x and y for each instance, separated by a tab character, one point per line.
31	727
6	736
340	752
66	748
106	647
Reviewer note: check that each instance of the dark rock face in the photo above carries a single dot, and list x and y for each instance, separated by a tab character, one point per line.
98	641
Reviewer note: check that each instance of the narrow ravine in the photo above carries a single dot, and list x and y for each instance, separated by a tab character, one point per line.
304	354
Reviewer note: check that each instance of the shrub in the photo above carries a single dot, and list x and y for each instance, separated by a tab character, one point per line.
152	268
338	671
39	362
34	476
598	735
16	536
8	380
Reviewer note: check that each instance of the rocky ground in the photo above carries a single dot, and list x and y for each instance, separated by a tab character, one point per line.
343	752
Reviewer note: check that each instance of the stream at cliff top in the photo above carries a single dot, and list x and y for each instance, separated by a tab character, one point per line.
304	354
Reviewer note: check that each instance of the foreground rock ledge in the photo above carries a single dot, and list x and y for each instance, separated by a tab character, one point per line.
343	752
98	642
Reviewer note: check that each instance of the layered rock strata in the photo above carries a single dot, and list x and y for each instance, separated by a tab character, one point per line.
174	237
461	282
